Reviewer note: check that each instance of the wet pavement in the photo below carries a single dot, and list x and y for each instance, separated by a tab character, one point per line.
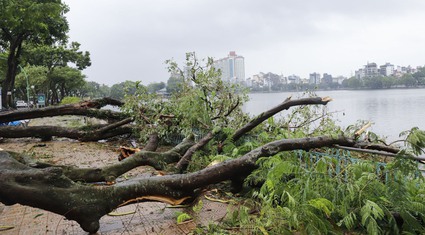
148	218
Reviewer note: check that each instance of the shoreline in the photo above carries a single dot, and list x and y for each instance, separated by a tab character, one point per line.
345	89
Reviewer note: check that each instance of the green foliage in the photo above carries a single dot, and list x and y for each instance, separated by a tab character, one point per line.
67	82
183	217
314	198
39	21
38	83
204	102
352	83
95	90
120	90
310	194
63	65
52	56
384	82
27	21
319	195
156	86
174	84
198	207
415	139
370	213
70	100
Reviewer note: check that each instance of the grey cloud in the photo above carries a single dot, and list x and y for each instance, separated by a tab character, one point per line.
131	39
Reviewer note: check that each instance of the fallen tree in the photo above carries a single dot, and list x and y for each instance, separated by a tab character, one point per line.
55	188
212	111
49	188
116	121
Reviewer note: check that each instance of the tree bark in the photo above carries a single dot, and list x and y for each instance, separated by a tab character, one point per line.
85	108
157	160
15	50
47	132
187	157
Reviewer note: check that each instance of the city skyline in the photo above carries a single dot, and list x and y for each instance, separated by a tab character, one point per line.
131	40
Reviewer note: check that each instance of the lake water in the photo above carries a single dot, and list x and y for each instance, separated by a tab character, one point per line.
392	111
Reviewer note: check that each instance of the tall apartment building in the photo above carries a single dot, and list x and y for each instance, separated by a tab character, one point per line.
327	78
232	67
314	78
386	69
369	70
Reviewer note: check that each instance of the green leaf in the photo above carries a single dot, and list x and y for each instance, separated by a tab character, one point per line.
183	217
323	205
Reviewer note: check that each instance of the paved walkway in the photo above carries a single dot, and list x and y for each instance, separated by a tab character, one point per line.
149	218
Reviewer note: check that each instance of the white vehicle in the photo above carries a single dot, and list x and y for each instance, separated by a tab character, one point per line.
21	104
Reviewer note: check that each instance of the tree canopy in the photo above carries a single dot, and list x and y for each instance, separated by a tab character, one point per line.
37	22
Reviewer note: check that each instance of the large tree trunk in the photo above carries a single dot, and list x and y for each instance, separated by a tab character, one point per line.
85	108
48	132
50	189
54	188
8	83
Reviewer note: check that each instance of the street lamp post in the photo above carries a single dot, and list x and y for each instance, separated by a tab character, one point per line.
28	89
33	96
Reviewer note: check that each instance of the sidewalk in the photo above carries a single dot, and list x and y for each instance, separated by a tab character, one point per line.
149	218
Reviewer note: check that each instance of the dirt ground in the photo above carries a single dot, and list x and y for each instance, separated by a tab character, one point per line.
145	218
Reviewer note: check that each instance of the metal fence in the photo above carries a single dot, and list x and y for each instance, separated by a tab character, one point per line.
341	159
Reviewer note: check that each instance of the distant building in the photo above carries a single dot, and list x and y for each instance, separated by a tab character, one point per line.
314	78
338	79
327	78
360	74
386	69
294	79
371	70
232	67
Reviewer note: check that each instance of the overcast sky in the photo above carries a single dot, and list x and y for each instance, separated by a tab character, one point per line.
131	39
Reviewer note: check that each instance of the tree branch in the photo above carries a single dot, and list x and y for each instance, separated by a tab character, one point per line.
185	160
285	105
111	172
85	108
47	132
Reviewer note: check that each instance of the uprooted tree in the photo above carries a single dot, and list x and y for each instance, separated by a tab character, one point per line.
209	113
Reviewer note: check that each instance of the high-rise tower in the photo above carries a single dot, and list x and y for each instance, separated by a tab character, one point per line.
232	67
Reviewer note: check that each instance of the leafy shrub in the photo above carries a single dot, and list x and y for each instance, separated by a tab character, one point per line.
70	100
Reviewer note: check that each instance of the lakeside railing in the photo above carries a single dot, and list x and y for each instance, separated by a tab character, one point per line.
341	160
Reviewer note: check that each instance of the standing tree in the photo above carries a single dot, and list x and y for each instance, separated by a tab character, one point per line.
38	22
39	82
173	84
59	57
67	82
156	86
96	90
118	91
